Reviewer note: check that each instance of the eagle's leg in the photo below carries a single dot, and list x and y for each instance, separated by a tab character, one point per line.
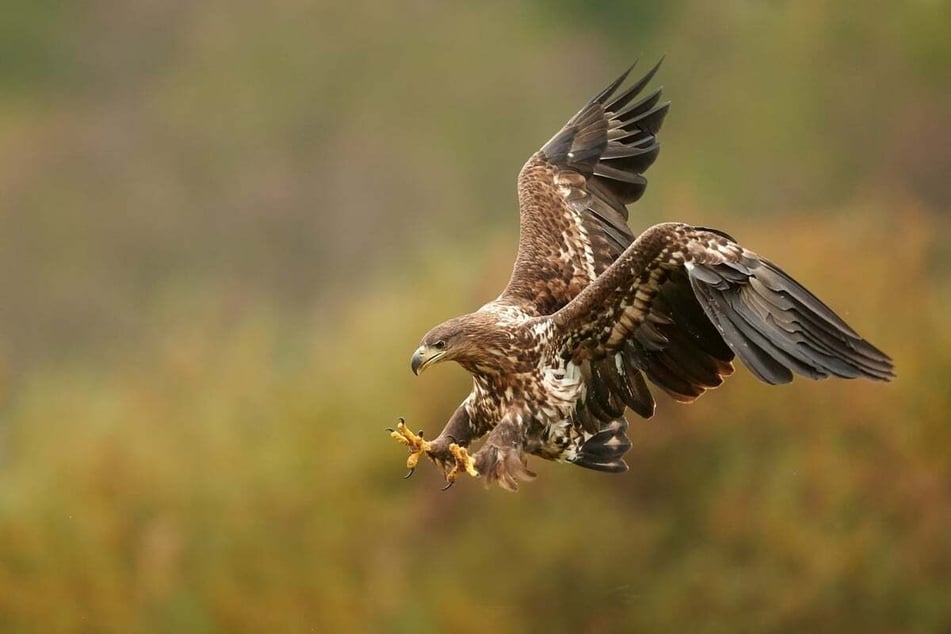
502	459
448	450
417	446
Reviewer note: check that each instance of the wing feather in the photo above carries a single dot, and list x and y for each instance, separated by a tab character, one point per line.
573	192
782	319
723	299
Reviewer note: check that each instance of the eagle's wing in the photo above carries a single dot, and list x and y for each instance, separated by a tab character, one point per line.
675	345
769	320
572	196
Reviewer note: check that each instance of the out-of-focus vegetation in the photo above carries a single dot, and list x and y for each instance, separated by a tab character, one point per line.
226	225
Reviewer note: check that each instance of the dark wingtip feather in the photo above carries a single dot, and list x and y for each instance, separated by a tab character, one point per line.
605	94
622	100
777	327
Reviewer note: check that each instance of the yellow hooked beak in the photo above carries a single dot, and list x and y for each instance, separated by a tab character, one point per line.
424	357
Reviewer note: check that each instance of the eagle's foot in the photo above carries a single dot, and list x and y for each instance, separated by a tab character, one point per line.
417	446
463	463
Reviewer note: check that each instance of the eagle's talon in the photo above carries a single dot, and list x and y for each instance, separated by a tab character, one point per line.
448	485
414	442
463	463
409	473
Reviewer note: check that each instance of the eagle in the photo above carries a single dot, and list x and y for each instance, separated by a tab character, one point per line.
592	313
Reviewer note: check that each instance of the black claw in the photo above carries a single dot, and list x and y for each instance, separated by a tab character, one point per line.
452	438
448	485
399	418
409	473
420	433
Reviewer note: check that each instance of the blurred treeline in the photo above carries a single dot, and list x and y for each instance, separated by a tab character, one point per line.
226	225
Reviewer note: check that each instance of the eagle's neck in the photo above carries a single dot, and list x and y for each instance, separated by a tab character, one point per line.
499	343
493	366
506	385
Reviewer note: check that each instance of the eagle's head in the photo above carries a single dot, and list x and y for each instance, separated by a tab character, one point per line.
468	340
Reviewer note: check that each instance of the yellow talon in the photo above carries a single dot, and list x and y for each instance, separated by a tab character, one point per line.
464	462
417	446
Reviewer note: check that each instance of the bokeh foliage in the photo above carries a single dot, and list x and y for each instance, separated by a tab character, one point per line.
226	225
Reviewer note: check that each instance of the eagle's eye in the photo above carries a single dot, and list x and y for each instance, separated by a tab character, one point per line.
440	345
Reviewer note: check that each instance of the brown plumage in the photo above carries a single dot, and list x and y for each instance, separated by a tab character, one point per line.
589	311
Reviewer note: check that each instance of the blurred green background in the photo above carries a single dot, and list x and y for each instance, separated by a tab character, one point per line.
224	227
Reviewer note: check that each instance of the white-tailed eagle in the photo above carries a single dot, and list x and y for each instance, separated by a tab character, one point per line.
591	311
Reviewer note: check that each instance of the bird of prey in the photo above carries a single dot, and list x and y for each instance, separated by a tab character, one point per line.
591	311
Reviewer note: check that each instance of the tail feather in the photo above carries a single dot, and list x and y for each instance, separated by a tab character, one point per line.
605	450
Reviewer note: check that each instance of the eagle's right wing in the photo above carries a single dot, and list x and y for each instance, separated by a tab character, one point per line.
769	320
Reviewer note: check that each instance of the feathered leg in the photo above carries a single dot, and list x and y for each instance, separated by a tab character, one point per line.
501	459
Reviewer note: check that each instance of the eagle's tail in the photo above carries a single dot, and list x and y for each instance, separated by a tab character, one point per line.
605	450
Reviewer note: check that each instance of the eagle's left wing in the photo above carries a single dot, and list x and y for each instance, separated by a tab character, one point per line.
572	196
769	320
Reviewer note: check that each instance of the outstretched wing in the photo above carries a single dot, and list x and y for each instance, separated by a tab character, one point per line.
572	196
769	320
675	345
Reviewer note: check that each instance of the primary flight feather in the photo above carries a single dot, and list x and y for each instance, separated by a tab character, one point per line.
590	311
